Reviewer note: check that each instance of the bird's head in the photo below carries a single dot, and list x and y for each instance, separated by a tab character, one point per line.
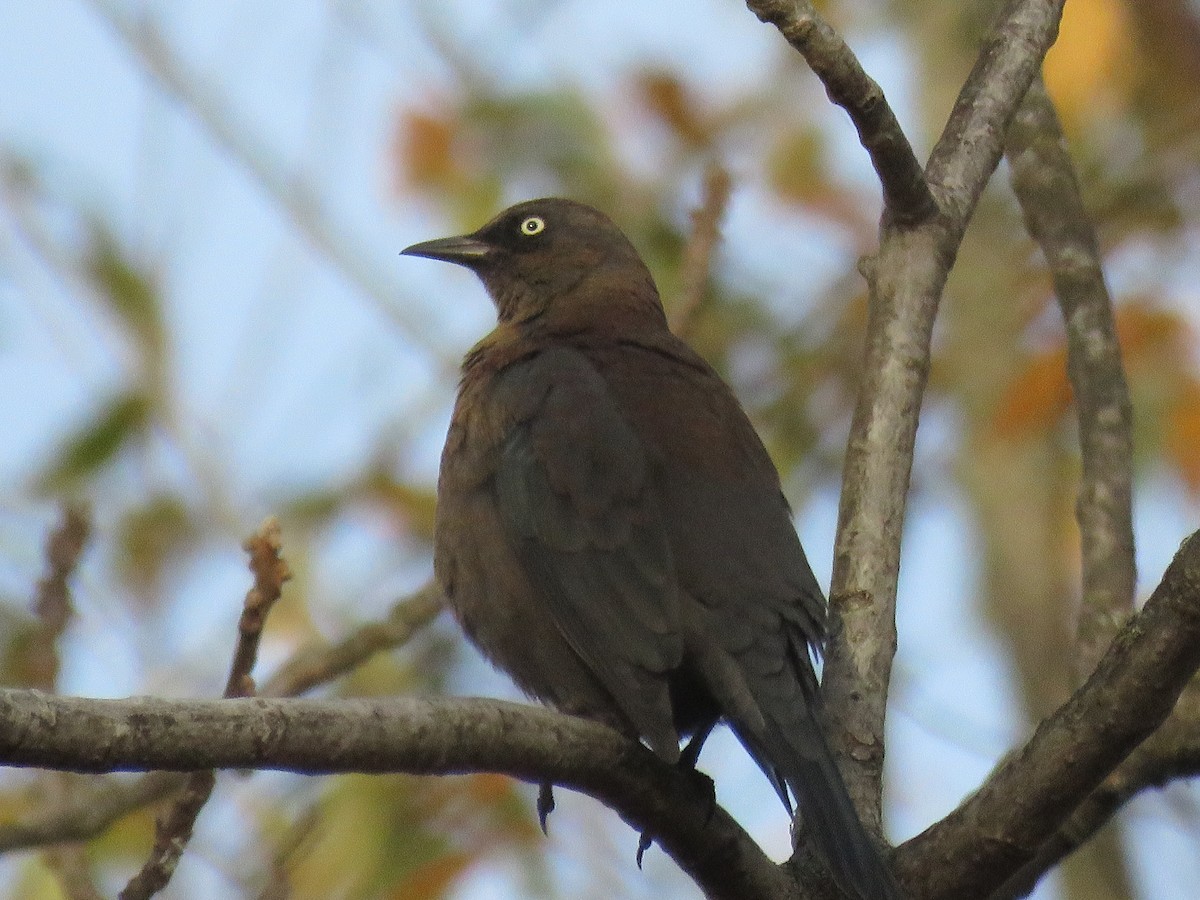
549	253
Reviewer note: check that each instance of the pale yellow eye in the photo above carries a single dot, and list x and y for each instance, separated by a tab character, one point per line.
533	225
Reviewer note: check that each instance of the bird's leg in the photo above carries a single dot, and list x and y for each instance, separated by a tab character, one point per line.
545	804
688	758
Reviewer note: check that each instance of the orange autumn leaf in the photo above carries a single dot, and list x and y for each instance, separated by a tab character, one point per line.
488	788
668	99
424	149
1091	64
1036	398
1144	330
1183	435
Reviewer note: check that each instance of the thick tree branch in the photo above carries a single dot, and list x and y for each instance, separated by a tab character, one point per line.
1043	178
91	808
398	735
1171	753
905	281
906	195
975	849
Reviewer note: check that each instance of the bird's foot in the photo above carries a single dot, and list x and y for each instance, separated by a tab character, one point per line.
645	839
545	805
700	782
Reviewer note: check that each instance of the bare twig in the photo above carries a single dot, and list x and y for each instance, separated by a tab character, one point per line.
1004	824
270	573
53	607
173	830
312	666
907	199
88	810
697	256
1043	178
52	601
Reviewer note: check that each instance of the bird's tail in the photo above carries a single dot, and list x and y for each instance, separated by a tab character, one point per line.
799	757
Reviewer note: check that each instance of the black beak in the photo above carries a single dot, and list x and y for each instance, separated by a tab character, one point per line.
465	250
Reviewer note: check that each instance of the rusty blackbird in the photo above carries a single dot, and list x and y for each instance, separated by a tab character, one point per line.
610	530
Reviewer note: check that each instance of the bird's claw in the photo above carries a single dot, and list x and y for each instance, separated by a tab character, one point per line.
545	805
645	839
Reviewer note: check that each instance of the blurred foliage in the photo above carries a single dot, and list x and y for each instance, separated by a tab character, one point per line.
172	505
85	452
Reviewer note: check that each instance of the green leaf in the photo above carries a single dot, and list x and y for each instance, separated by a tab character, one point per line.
94	445
129	290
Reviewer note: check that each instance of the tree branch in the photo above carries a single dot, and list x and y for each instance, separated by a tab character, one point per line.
970	853
319	664
54	609
1172	752
396	735
975	849
905	282
1043	178
91	808
907	199
52	602
697	256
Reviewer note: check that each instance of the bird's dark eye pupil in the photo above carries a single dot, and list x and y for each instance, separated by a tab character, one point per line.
533	225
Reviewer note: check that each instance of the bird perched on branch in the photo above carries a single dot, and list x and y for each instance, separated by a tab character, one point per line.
610	530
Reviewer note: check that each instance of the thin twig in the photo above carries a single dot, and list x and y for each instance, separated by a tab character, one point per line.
319	664
907	199
52	601
173	830
1044	181
54	609
88	810
697	255
270	573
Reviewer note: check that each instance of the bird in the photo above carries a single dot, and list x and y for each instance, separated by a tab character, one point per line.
611	531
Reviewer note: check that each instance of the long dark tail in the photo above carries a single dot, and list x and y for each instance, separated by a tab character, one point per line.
799	757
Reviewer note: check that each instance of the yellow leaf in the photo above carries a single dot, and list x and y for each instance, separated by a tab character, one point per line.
1091	64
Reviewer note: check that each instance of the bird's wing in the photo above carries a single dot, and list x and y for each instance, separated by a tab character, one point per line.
574	491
